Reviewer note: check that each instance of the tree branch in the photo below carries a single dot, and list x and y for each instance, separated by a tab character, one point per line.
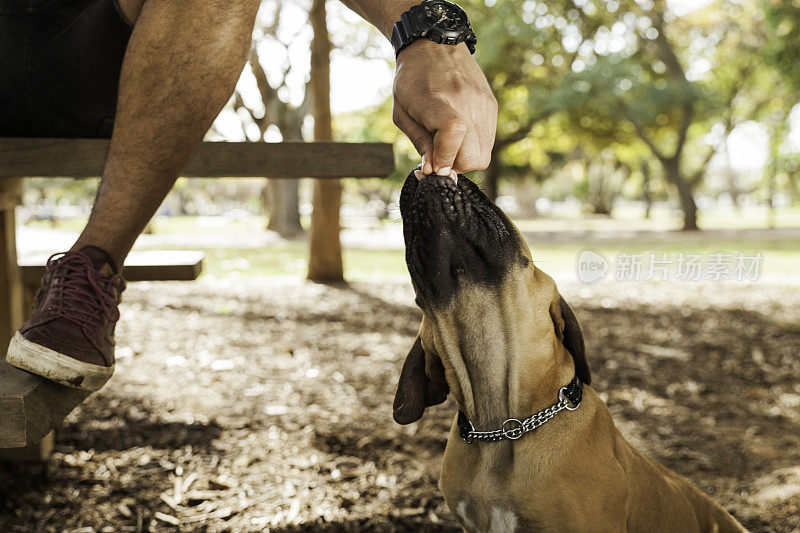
522	131
683	129
628	114
700	173
665	50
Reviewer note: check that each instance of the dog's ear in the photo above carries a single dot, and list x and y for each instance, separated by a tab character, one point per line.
568	330
418	388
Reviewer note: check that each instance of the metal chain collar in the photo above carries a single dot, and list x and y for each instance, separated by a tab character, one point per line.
513	428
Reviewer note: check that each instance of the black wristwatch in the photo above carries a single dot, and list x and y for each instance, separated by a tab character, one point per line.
438	20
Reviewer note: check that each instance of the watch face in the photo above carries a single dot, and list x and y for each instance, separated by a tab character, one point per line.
444	15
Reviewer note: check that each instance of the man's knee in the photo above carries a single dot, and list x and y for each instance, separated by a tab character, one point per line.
132	8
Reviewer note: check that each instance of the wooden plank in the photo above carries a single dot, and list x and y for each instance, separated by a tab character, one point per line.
11	291
33	453
149	265
29	291
81	158
30	407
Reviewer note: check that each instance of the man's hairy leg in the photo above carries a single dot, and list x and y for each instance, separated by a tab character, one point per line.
181	66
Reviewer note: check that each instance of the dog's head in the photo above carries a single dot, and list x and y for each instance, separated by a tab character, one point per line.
482	298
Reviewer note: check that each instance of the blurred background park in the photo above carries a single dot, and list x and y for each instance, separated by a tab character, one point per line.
253	399
620	123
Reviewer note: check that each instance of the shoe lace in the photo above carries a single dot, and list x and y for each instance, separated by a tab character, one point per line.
84	293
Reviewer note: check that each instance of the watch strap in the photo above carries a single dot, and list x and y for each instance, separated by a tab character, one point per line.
404	33
401	32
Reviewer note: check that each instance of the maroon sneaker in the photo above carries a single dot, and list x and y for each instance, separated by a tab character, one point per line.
70	337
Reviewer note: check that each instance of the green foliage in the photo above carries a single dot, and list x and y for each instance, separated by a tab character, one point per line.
633	81
783	48
528	51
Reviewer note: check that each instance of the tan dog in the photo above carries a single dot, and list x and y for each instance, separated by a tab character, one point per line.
496	333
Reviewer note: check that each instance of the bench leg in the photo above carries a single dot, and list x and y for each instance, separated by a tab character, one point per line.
11	292
13	300
28	295
35	453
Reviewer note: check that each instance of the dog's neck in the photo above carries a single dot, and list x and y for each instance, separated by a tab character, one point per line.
503	366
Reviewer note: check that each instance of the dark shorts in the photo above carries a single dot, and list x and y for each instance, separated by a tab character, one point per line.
59	67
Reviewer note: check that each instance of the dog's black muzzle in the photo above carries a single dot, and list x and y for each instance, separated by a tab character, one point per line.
453	232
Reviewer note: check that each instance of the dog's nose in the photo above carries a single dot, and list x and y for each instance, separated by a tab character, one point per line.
440	209
440	199
420	176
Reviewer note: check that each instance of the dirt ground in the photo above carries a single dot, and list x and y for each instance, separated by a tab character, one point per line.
255	405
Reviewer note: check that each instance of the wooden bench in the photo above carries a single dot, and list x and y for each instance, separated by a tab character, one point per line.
31	407
146	265
140	265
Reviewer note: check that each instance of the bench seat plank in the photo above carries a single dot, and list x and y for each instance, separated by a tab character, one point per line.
146	265
83	158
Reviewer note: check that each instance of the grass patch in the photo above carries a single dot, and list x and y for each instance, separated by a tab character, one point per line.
290	258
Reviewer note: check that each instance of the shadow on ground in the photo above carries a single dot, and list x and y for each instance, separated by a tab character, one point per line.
263	406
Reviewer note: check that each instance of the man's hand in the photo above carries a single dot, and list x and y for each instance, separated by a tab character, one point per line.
443	103
442	100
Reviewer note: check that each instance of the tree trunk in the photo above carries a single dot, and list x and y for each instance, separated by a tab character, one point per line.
771	171
648	198
599	197
325	256
282	195
733	190
491	176
11	289
673	174
282	202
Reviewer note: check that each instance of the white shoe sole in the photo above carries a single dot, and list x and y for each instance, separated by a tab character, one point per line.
62	369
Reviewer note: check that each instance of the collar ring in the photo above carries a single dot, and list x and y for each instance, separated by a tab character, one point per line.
562	398
514	432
